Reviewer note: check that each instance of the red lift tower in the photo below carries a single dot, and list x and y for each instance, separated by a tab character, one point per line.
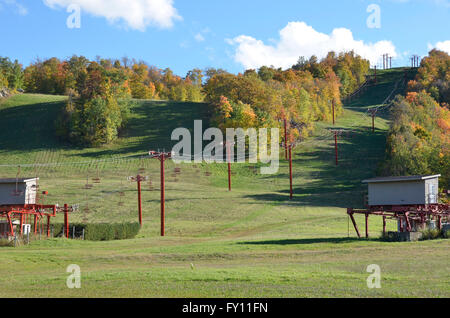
139	179
282	117
412	201
228	146
373	113
36	212
336	133
20	204
290	146
162	157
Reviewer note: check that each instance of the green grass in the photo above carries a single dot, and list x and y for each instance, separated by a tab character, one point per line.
252	242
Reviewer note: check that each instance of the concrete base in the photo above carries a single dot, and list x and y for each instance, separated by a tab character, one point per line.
445	227
404	236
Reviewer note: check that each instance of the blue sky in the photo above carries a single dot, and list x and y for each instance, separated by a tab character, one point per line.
232	34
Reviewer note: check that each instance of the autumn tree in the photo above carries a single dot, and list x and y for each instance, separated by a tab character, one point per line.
11	74
434	76
418	140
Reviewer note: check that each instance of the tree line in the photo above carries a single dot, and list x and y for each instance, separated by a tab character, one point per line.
136	78
419	136
303	94
101	92
11	74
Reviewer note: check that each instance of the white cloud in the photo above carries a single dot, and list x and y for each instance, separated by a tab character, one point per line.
184	44
299	39
19	8
199	37
444	3
443	46
137	14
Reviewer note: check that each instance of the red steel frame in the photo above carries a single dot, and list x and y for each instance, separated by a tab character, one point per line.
373	113
290	146
291	193
285	139
162	156
228	149
407	213
139	179
37	210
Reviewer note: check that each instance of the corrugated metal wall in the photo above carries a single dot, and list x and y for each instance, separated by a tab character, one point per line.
27	193
404	192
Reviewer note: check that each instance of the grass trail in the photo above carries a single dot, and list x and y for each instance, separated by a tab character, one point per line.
252	242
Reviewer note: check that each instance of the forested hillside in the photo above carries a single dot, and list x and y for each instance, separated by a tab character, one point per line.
419	137
303	94
100	92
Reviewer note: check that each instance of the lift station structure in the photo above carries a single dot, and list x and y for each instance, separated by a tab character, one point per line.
19	206
413	201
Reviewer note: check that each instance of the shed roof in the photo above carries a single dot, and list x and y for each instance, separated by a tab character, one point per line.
401	179
19	180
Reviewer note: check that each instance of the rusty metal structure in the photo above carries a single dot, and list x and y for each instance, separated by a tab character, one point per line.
162	157
336	133
35	213
409	217
373	113
138	179
415	61
23	206
228	146
412	201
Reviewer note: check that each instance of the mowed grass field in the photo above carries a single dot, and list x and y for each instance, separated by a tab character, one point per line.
251	242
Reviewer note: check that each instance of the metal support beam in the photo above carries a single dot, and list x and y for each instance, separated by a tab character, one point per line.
35	224
48	226
367	225
285	139
228	147
408	223
11	227
66	220
163	197
21	224
291	196
139	199
162	156
350	213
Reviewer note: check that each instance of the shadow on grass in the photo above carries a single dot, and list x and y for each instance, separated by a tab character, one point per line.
328	185
376	94
30	127
308	241
152	123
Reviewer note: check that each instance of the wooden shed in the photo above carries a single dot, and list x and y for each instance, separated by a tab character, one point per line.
18	191
411	190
